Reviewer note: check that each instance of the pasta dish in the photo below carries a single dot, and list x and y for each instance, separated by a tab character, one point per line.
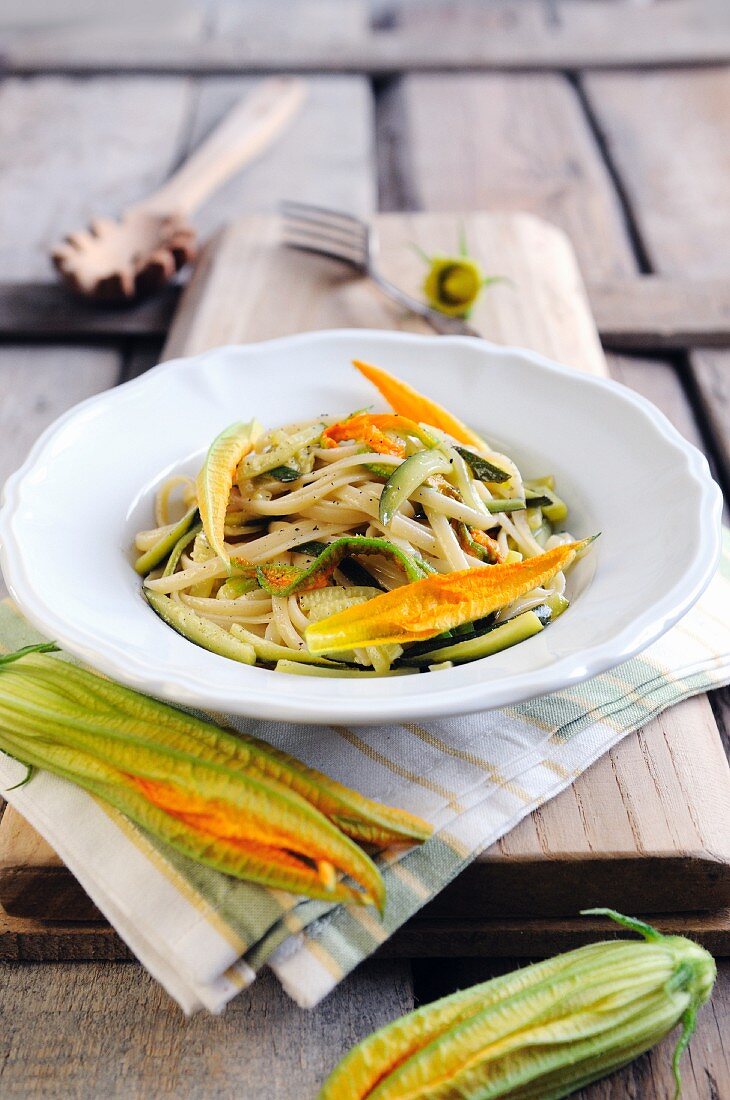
362	545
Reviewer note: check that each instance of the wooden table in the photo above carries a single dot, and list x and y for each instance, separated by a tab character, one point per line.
608	118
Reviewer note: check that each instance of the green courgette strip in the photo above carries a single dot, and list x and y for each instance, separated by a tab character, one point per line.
196	629
179	547
157	553
284	473
407	478
481	468
235	587
258	462
353	673
271	652
492	641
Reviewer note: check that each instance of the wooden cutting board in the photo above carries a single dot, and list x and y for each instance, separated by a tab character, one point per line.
645	829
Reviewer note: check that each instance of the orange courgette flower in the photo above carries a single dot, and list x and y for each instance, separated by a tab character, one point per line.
403	399
238	806
487	542
370	428
426	608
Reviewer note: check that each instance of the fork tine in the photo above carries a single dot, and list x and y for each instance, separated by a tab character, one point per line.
301	247
328	236
352	237
304	211
325	237
350	258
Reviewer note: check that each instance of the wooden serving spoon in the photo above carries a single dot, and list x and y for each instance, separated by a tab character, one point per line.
139	253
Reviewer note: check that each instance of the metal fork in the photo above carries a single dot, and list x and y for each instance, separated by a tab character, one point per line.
352	241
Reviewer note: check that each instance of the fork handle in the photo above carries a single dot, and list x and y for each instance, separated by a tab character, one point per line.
441	322
242	135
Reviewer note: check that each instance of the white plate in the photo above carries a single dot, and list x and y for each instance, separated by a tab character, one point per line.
71	511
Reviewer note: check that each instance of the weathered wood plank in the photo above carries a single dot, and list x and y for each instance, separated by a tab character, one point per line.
49	311
296	23
667	136
38	384
504	142
655	312
73	148
639	313
326	157
96	1030
176	18
573	34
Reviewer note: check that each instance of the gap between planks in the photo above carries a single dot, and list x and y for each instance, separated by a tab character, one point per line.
641	313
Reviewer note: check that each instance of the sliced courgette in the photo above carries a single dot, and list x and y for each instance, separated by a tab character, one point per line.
315	670
284	473
270	652
164	546
500	637
181	545
407	478
208	635
237	586
262	462
557	604
481	468
322	602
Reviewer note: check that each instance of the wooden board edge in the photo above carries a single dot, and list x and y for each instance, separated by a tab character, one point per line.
24	940
52	893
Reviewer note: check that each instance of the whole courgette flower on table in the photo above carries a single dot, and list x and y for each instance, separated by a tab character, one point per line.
540	1033
229	801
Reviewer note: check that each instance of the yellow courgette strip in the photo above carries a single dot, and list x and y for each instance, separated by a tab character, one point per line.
403	399
426	608
214	482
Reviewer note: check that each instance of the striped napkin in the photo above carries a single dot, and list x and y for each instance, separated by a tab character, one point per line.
205	936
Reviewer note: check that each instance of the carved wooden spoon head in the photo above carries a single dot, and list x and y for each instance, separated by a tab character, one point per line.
121	260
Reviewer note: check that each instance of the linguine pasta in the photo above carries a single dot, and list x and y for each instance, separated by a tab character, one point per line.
320	517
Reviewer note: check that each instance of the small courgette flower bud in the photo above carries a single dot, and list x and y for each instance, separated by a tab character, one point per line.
453	284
